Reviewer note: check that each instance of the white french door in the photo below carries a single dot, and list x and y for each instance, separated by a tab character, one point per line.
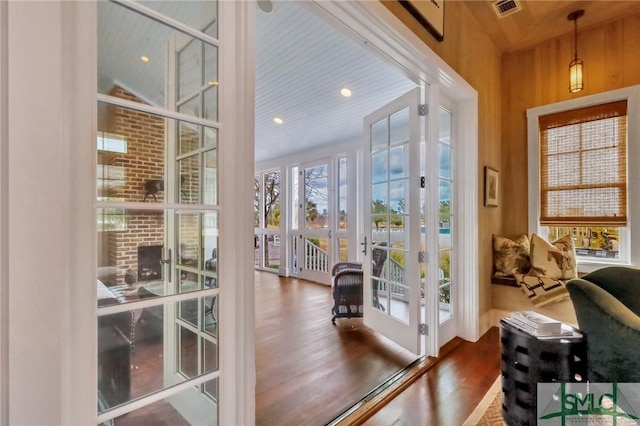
316	229
159	211
191	325
391	220
447	224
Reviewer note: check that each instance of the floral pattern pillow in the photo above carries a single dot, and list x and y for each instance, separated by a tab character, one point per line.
510	256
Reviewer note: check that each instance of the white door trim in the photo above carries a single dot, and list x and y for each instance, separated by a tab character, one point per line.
237	405
373	22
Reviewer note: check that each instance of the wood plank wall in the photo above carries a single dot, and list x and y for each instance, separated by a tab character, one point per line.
540	76
468	50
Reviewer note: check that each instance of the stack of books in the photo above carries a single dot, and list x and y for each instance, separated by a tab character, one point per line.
539	325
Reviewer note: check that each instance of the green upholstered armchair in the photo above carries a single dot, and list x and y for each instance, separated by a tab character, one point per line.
607	304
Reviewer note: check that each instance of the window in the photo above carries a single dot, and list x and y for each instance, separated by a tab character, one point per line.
583	166
578	174
267	215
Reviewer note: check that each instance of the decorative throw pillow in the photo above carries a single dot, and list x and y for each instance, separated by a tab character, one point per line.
554	260
542	290
510	256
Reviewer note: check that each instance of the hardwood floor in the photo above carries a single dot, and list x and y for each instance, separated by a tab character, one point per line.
450	390
309	371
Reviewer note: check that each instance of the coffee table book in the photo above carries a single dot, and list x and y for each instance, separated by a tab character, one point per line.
537	322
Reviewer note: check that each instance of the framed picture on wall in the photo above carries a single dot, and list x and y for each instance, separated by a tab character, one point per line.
490	187
430	13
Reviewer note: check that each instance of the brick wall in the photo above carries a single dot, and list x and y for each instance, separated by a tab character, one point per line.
143	161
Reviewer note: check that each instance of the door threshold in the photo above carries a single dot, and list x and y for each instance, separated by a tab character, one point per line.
392	387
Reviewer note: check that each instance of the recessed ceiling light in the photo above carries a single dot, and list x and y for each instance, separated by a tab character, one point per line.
345	92
144	58
278	120
266	6
213	83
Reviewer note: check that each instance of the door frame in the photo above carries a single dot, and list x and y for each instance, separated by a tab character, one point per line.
374	23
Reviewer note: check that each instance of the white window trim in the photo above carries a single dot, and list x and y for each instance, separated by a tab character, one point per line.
630	248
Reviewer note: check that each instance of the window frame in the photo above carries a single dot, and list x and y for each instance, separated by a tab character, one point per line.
629	247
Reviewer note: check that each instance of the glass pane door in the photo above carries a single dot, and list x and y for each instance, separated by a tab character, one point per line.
316	231
446	187
157	213
392	217
191	324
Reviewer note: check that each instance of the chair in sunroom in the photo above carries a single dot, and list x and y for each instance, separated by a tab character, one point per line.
347	290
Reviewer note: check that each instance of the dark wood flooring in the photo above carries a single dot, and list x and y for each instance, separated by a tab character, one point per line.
450	390
309	371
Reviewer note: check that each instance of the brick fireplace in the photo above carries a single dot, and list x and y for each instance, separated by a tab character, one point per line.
149	266
119	250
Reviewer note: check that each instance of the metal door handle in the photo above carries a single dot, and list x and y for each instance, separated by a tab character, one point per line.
364	248
167	261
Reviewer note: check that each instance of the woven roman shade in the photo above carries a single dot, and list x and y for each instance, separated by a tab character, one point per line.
583	166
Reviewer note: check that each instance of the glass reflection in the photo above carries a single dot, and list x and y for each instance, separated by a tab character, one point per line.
445	161
134	169
189	74
379	167
129	260
120	59
398	163
379	199
379	135
131	348
189	239
144	350
342	193
197	14
130	255
188	140
399	192
166	412
399	123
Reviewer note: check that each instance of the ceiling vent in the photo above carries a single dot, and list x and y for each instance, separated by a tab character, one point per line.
506	7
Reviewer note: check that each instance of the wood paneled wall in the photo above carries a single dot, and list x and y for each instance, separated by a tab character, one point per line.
540	76
468	50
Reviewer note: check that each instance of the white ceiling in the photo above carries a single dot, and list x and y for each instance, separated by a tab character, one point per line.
302	62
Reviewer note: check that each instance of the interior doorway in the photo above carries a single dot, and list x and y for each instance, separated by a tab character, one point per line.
318	220
433	279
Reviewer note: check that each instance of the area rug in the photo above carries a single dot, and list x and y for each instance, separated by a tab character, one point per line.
489	411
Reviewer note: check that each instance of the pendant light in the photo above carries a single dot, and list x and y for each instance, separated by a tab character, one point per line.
575	66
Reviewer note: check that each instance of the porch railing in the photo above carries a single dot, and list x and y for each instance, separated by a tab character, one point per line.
394	272
315	259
